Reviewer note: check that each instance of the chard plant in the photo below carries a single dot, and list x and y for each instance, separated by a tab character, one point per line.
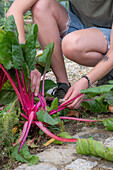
16	63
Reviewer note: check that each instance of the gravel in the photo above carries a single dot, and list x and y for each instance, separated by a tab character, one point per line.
74	71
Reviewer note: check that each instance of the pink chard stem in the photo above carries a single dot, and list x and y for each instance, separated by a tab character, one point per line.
12	83
46	131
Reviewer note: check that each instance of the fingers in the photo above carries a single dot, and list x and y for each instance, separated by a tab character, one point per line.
72	93
35	78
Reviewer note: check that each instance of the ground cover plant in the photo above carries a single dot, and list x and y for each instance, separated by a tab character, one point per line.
19	105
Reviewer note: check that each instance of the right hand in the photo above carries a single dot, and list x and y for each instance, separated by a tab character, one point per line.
35	78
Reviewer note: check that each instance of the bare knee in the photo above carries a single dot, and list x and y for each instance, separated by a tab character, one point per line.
41	8
71	46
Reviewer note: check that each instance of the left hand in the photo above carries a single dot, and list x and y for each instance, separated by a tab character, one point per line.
75	91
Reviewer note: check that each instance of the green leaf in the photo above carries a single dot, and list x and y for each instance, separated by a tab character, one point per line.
108	123
10	25
97	90
43	116
109	97
54	104
25	155
45	58
63	135
49	84
17	56
2	33
30	47
6	53
94	106
7	96
96	148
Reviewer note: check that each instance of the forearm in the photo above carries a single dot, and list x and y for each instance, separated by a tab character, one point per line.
102	68
18	9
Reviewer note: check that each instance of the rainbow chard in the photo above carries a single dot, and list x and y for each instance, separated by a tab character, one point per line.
21	58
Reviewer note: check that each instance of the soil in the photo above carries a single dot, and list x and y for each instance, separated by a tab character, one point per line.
72	127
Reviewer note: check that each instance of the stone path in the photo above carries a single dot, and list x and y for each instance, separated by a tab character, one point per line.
65	157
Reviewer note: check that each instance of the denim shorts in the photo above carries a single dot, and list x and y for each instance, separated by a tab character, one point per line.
76	24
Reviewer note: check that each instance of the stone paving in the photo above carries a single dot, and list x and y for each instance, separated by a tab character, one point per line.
65	157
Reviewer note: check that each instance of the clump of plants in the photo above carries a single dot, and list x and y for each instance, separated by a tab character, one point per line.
16	63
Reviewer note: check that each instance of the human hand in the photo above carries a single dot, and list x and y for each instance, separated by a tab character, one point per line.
35	78
75	91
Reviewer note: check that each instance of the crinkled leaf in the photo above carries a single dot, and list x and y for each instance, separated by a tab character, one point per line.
24	155
96	148
94	91
12	39
10	25
6	53
30	47
108	123
43	116
17	56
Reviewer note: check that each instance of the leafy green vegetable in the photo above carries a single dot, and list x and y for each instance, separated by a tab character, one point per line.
96	148
43	116
108	123
24	155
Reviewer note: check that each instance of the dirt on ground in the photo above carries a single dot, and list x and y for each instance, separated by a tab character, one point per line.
71	126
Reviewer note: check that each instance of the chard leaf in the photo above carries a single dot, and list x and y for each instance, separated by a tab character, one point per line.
25	155
94	91
17	56
108	123
96	148
6	53
54	104
30	47
109	97
49	84
43	116
10	25
7	96
11	38
45	58
63	135
94	106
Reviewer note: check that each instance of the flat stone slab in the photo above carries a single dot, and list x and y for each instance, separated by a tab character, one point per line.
65	157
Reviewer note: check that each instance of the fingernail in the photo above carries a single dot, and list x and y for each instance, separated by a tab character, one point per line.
36	94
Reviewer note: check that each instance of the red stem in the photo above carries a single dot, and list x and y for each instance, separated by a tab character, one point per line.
21	91
23	81
12	83
84	120
46	131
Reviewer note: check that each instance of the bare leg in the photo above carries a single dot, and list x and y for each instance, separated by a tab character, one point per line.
85	47
51	18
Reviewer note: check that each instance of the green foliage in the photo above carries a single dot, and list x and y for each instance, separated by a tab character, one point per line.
108	123
98	98
9	117
43	116
63	135
96	148
24	155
